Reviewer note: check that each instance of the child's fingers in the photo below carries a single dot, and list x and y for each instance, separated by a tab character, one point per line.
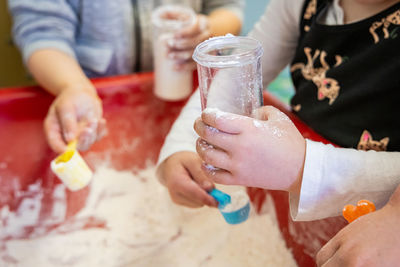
196	174
184	201
182	44
90	124
88	132
192	192
219	176
189	31
53	133
184	55
101	129
327	252
333	262
187	65
213	136
86	138
269	113
68	121
202	181
200	25
212	155
224	121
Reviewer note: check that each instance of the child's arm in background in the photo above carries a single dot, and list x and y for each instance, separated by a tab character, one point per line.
280	34
44	31
270	153
77	112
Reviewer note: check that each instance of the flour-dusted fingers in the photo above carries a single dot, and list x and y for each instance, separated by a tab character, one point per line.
53	132
187	183
194	167
102	129
263	153
219	176
266	113
181	55
88	128
67	117
191	191
181	44
213	155
226	122
213	136
201	25
86	138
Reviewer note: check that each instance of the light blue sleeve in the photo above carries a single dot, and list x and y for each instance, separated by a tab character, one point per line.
39	24
236	6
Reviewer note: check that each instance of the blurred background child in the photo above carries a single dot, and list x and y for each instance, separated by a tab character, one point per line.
64	43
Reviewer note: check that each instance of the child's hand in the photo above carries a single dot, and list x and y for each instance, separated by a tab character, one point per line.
267	153
371	240
182	46
74	114
187	184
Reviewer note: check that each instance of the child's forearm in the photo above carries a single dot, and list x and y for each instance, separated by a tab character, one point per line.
57	71
334	177
222	21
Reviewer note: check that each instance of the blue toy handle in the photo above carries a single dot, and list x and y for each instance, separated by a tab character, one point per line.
222	198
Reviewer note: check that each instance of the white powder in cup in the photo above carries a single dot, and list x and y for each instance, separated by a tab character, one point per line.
239	199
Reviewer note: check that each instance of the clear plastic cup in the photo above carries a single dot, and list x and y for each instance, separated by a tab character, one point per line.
229	70
170	84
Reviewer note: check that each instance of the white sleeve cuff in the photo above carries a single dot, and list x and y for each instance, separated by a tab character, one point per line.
334	177
302	208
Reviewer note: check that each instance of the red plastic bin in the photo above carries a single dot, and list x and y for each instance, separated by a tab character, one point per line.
137	123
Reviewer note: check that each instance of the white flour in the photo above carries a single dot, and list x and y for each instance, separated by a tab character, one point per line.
144	228
239	199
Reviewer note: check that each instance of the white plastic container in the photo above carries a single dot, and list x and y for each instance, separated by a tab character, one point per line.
170	84
71	169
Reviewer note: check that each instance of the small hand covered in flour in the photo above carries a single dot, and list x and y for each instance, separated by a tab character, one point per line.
75	114
268	152
371	240
187	184
181	47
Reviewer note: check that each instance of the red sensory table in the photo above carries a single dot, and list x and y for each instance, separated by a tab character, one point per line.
132	112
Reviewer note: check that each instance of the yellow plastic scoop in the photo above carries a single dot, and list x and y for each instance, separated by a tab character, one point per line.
71	168
67	155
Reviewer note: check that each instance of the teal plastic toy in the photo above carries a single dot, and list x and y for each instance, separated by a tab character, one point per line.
233	217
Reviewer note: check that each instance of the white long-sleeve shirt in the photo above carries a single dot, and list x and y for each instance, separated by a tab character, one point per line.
332	177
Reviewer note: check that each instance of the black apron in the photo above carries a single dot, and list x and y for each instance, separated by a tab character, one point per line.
347	78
